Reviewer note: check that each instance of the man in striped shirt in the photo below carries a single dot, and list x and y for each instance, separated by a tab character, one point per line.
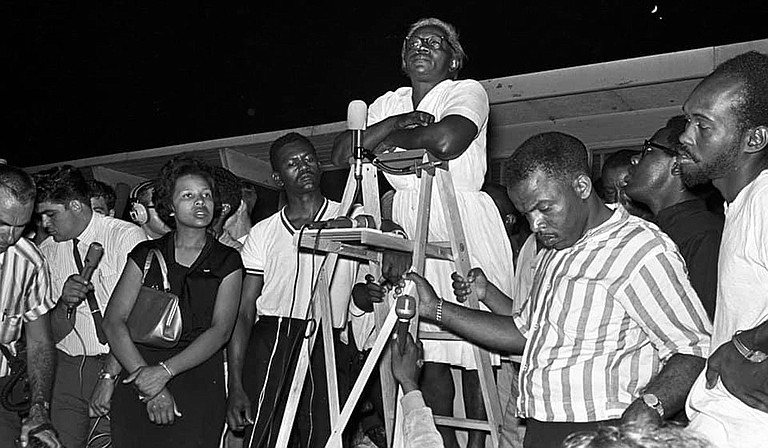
63	200
25	299
612	329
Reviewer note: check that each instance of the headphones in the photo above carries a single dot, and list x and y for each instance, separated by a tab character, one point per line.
138	211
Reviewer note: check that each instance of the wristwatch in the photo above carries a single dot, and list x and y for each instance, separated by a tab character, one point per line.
104	375
653	402
755	356
43	404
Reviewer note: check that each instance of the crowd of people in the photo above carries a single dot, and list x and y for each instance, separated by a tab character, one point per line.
636	302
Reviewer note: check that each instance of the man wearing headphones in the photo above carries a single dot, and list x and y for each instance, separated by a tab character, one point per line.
142	210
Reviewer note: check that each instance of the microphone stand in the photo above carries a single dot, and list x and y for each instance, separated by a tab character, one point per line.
357	151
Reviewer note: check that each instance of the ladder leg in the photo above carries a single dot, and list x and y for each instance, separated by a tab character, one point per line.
297	384
419	261
323	318
463	265
372	206
373	360
323	300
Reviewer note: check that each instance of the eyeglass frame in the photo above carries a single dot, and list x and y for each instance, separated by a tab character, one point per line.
425	40
648	145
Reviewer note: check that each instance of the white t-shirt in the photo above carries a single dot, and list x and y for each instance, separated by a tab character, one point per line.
742	303
269	250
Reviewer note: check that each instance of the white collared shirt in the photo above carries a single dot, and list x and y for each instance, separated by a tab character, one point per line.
118	237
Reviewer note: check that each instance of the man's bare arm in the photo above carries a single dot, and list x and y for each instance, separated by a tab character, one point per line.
41	370
671	386
492	331
41	359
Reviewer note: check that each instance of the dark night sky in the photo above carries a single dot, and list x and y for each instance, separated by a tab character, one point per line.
91	78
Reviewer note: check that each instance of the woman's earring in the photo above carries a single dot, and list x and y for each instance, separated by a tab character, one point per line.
172	214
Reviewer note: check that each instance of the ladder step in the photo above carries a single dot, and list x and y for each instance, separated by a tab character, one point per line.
438	336
464	423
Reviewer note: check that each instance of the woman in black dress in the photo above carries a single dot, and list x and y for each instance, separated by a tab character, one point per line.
176	396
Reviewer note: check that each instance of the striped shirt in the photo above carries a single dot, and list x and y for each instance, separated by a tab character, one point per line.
270	251
602	318
25	292
118	238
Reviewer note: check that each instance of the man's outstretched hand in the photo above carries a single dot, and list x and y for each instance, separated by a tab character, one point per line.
475	281
428	299
406	364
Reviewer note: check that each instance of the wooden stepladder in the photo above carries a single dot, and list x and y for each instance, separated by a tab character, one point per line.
368	244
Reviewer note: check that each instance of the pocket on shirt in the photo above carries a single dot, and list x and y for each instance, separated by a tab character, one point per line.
107	279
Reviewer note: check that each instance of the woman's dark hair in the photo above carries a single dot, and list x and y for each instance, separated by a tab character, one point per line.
228	190
165	184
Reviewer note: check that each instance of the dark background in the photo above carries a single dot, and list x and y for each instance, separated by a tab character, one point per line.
93	78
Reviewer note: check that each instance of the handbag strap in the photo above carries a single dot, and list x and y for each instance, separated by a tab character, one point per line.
163	268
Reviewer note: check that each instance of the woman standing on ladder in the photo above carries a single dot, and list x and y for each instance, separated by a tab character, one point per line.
448	118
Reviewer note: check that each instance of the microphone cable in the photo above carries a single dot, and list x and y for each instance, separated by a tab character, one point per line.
285	362
80	369
94	436
294	344
408	169
18	365
358	191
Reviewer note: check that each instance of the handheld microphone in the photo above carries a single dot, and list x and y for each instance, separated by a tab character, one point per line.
92	258
357	116
405	308
344	222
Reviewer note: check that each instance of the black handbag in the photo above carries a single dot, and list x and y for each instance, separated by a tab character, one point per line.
155	319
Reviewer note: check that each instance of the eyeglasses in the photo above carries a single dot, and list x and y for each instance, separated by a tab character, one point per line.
649	146
415	42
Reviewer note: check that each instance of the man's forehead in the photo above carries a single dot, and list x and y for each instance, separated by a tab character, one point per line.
49	206
99	204
295	149
712	93
537	186
615	172
14	212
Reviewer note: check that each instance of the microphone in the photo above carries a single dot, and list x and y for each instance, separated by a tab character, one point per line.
92	258
405	308
357	116
344	222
